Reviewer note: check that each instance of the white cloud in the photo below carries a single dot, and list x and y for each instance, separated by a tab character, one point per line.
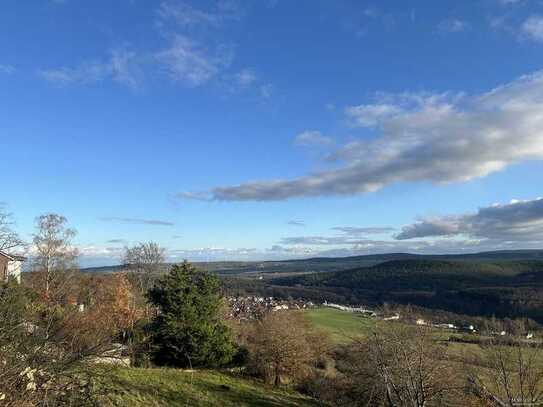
312	138
189	56
509	2
185	15
191	64
533	28
359	231
96	250
518	221
439	138
137	221
338	246
86	73
7	69
371	115
296	223
266	90
123	66
453	25
246	77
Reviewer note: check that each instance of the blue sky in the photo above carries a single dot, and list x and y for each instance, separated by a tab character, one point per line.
275	129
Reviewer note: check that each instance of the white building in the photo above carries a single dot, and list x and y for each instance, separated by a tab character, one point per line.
10	266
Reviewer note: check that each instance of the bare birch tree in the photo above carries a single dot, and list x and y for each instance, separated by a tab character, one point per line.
55	257
145	261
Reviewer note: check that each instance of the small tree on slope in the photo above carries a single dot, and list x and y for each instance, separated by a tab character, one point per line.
188	331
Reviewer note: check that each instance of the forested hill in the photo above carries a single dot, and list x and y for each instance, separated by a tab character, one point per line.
422	274
505	288
497	255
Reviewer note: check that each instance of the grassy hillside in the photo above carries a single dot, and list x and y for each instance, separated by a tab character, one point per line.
173	387
342	326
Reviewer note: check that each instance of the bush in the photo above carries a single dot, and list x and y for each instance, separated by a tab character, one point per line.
42	364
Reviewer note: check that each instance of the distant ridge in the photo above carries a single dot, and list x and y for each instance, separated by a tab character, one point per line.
319	264
496	254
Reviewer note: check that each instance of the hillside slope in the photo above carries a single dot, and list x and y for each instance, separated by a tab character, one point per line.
174	387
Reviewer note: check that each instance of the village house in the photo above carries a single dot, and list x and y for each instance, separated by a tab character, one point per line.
10	266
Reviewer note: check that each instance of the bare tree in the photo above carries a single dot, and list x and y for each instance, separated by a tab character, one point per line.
145	261
9	239
508	374
280	346
55	257
412	370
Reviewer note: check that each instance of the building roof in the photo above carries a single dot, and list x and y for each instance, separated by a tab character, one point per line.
12	257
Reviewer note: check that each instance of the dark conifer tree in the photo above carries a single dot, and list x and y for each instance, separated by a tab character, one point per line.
188	331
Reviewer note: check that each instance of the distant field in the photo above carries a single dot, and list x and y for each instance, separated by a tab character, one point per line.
341	325
174	387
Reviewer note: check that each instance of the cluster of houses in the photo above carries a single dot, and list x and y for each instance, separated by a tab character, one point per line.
252	307
463	328
360	310
10	266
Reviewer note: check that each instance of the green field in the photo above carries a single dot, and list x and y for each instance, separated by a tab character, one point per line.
174	387
342	326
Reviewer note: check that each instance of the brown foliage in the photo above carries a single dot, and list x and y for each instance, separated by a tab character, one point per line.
282	347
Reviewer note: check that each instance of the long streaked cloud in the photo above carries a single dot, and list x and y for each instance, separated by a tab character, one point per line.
116	241
518	221
363	231
296	223
440	138
137	221
122	66
321	240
